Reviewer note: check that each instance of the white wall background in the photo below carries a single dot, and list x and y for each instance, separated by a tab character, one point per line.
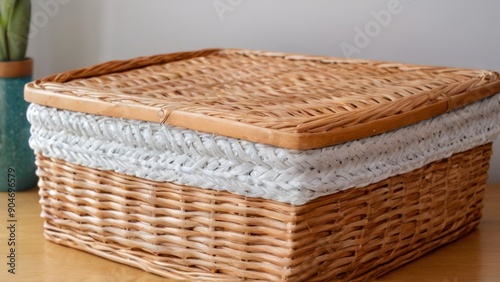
68	34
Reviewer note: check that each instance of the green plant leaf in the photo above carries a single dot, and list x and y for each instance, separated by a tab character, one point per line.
4	54
18	30
6	9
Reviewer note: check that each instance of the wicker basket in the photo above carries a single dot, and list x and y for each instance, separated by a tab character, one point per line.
231	165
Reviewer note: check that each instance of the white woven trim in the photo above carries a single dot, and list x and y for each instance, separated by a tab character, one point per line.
165	153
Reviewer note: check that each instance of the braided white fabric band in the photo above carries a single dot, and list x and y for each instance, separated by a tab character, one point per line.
165	153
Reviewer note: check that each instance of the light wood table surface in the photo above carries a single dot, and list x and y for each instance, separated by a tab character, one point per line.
475	257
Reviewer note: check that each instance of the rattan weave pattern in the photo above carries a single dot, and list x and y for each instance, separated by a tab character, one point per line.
284	101
292	101
190	233
164	153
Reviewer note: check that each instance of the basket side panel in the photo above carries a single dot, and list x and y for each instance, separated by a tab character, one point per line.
197	234
175	231
367	232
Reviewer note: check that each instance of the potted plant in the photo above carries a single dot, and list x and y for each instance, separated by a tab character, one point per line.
17	169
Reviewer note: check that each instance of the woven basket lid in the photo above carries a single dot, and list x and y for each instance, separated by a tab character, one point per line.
286	100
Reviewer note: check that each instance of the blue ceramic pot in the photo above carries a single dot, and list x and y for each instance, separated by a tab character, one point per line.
17	161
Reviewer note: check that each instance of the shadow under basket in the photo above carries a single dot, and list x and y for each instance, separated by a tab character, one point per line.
183	232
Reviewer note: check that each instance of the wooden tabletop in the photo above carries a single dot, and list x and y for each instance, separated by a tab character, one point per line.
475	257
